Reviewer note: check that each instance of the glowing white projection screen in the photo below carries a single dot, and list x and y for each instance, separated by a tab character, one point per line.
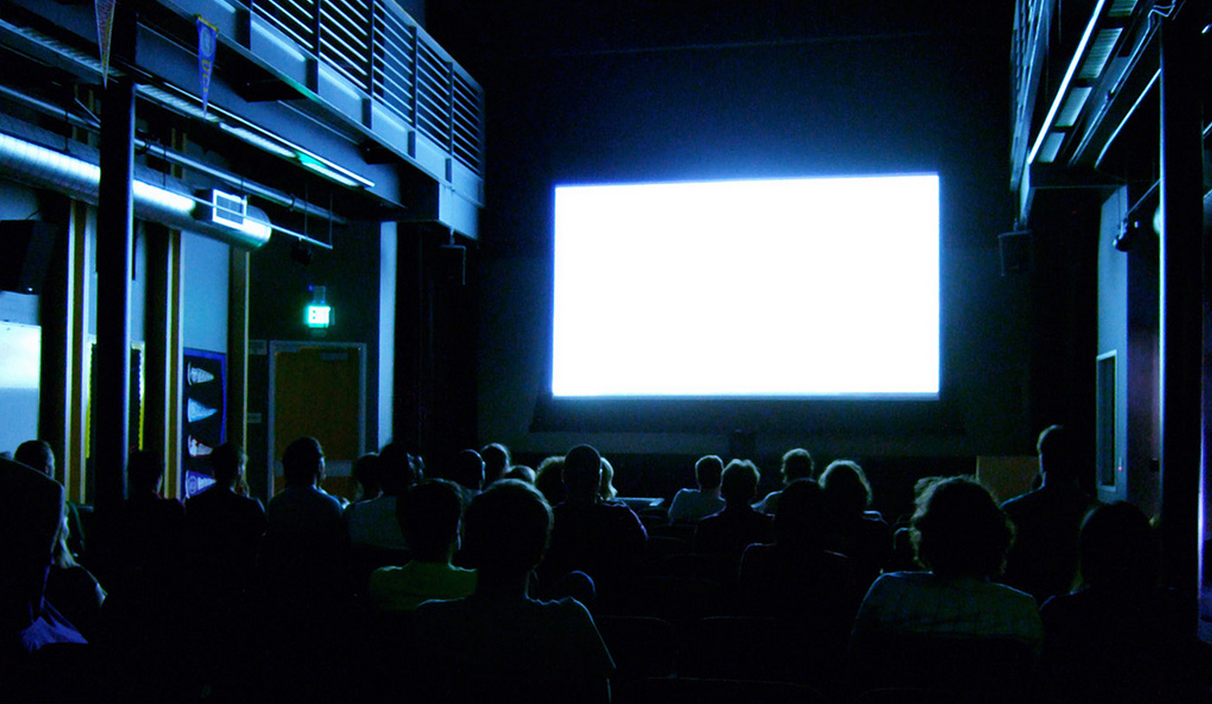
793	288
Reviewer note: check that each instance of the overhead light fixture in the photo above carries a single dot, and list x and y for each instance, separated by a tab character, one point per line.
331	171
257	140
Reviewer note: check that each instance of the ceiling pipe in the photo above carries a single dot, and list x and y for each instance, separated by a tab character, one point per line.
46	168
272	195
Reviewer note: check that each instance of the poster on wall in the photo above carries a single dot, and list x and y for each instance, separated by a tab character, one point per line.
204	415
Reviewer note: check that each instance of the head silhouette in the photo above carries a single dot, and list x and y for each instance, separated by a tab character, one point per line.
739	482
303	462
506	529
707	472
227	464
468	470
144	471
429	514
496	461
36	454
582	473
1119	548
959	529
846	488
797	464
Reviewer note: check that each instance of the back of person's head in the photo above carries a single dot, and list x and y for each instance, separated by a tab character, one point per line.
549	479
227	464
739	482
144	471
367	472
1119	548
399	468
520	472
303	462
606	490
429	514
496	461
707	472
800	516
797	464
36	454
846	488
1057	453
959	529
506	529
467	469
582	473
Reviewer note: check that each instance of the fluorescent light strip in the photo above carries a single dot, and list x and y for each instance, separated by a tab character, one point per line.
1064	86
1073	106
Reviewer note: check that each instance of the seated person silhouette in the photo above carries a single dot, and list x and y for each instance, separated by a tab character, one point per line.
372	524
797	464
1122	638
951	626
797	579
738	525
31	510
606	490
366	472
499	644
304	555
39	455
429	517
1043	560
496	461
224	528
603	539
549	479
467	472
691	505
852	530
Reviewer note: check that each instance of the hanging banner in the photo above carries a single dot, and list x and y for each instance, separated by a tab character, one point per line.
208	35
105	29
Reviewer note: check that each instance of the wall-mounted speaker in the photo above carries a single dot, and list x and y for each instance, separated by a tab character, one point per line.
25	253
454	264
1015	248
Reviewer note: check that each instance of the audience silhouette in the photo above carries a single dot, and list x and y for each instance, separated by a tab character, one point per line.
499	644
603	539
950	626
692	505
851	529
226	601
1122	638
730	530
1043	560
797	464
429	515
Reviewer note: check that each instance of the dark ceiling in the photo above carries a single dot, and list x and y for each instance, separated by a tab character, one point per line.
481	33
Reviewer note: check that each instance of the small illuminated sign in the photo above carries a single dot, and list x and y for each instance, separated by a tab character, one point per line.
319	316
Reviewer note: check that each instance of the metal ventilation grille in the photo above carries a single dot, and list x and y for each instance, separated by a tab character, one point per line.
467	131
375	46
294	18
433	95
395	44
345	39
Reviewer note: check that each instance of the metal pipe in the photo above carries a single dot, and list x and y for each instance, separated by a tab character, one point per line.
272	195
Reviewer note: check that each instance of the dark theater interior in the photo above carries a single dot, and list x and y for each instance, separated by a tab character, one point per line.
540	351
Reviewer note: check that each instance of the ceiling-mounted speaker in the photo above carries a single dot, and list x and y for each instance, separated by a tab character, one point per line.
454	264
1015	248
25	253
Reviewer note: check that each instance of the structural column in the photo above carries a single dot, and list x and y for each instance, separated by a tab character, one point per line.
115	251
1181	286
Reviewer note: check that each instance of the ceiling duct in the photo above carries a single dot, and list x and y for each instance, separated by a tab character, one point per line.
46	168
